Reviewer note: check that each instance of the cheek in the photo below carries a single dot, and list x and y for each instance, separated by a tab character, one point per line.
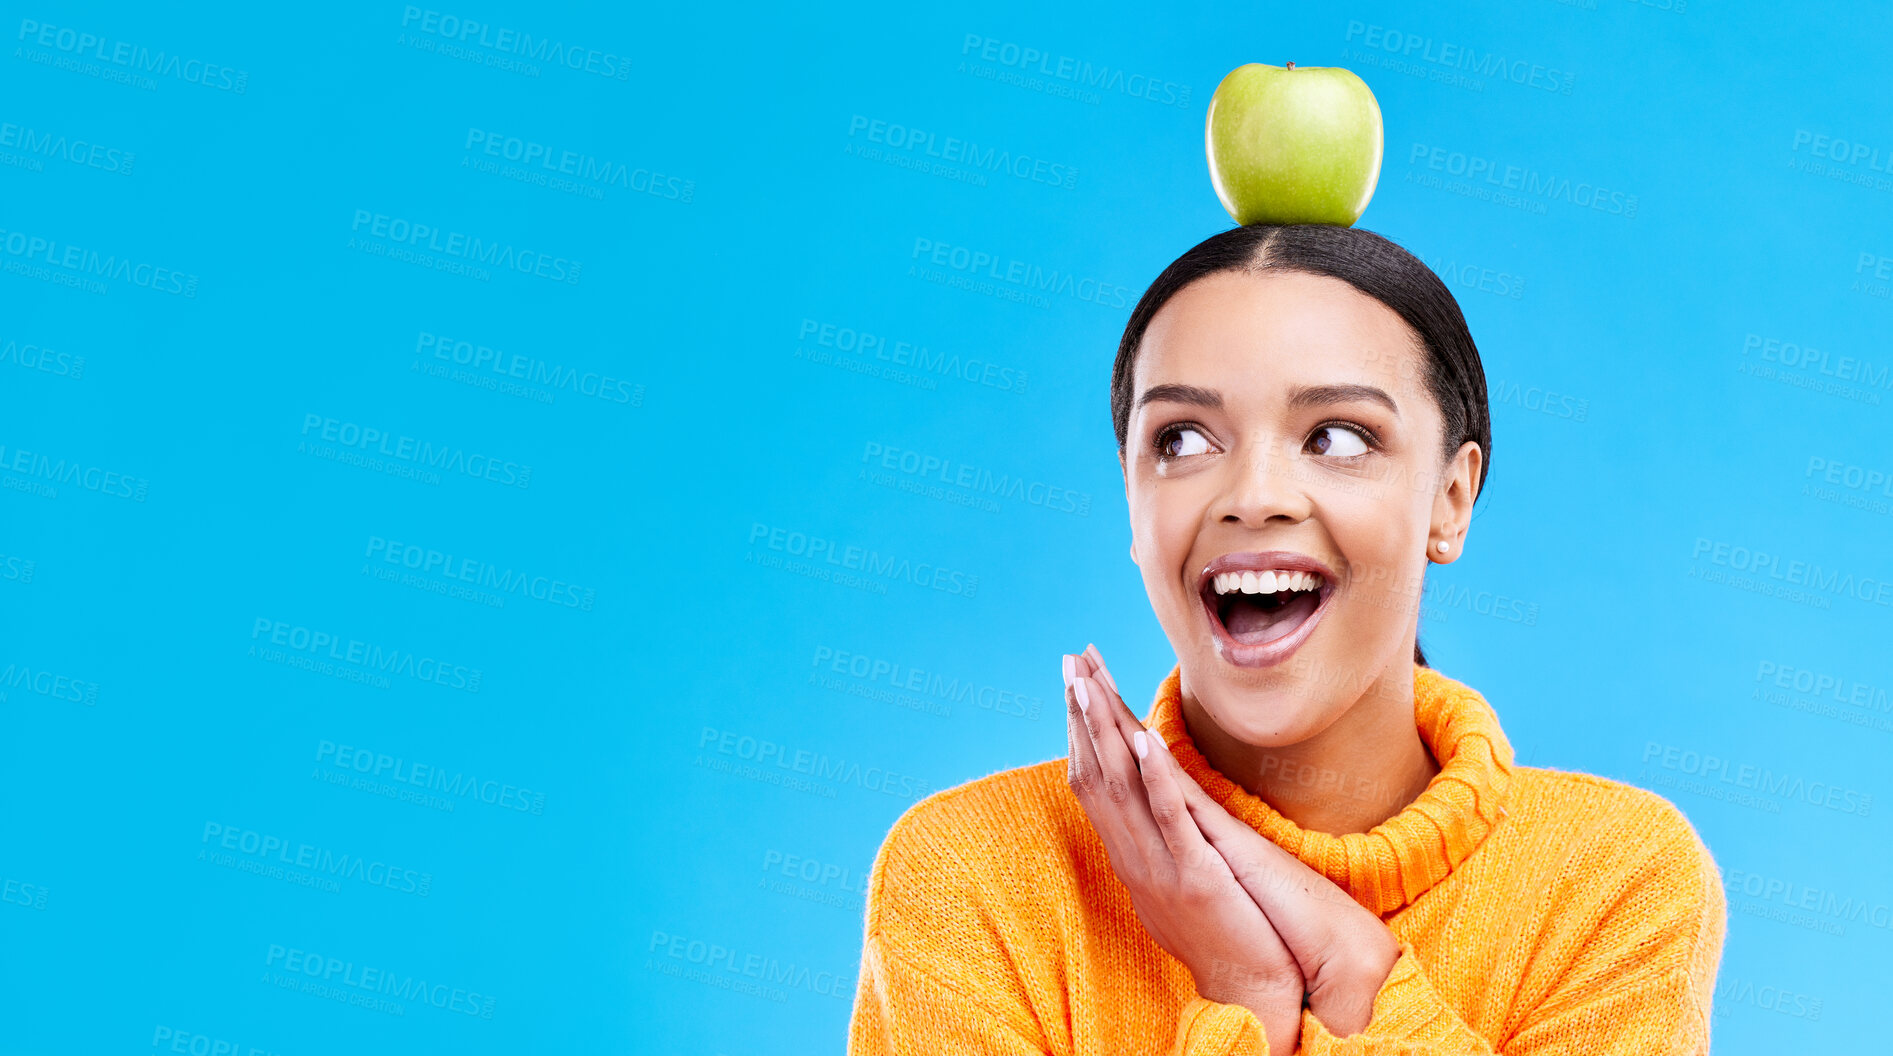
1164	525
1381	535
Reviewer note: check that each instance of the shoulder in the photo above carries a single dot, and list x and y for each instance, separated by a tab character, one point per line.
968	847
1619	857
1605	816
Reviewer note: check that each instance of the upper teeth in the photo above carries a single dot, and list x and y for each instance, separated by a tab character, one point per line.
1264	582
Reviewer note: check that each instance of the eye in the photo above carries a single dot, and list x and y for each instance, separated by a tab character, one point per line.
1180	441
1338	441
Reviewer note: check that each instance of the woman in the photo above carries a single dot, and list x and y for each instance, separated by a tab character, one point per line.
1313	840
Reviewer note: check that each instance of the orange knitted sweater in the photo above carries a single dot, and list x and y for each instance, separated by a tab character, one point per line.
1538	911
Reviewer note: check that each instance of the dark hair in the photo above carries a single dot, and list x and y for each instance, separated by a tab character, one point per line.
1364	260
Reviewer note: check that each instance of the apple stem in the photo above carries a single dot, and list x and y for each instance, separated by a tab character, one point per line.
1291	65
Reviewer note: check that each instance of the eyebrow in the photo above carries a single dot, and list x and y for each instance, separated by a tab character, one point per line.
1305	396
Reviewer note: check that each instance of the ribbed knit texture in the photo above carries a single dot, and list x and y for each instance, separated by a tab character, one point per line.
1538	912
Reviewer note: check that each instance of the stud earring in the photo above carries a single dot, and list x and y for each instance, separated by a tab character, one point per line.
1444	546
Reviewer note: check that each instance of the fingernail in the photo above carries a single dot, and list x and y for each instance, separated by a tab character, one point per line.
1142	743
1084	701
1071	668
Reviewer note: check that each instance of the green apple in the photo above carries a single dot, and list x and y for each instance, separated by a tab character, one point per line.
1294	144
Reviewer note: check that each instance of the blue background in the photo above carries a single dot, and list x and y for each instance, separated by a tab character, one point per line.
617	656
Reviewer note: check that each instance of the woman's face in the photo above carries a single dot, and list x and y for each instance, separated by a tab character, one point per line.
1286	488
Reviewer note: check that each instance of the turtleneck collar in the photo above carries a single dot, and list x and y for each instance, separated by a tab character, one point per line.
1397	861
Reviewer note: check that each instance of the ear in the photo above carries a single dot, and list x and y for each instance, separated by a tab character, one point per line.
1452	504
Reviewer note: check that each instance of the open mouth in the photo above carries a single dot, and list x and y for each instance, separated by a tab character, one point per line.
1263	606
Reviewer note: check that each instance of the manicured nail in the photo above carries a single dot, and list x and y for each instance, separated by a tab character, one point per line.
1105	671
1084	700
1071	668
1142	743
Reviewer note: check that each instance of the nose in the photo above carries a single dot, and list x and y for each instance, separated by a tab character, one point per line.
1262	487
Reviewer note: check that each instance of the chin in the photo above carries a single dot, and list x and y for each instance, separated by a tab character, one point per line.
1267	709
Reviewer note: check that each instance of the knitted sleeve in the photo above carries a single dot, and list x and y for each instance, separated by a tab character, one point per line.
944	964
935	974
900	1009
1210	1028
1641	981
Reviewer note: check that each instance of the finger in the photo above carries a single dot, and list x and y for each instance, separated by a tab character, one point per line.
1086	777
1289	892
1081	766
1126	720
1104	672
1107	700
1188	847
1192	791
1119	781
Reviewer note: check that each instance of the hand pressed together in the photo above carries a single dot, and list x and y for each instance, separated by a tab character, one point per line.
1254	925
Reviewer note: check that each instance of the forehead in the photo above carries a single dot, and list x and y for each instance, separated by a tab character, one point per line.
1257	332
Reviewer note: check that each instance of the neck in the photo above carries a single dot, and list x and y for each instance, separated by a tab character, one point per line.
1358	772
